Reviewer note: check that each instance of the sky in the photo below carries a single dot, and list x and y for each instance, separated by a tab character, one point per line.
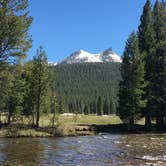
65	26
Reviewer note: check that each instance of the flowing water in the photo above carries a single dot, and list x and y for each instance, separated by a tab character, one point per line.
100	150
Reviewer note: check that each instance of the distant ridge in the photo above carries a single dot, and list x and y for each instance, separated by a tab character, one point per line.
82	56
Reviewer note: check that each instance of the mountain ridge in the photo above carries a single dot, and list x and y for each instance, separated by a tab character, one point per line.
82	56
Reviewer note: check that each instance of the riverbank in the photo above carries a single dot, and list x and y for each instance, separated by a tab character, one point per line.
77	125
58	131
81	130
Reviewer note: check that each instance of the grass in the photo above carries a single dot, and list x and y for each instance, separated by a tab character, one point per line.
79	119
24	133
64	126
85	120
90	119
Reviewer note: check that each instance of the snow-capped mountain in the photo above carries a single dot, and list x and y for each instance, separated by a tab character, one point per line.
82	56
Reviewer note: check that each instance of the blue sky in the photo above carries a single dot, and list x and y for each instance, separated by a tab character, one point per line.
64	26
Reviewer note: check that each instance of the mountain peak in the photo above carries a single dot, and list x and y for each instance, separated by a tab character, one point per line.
79	51
82	56
82	51
108	51
110	56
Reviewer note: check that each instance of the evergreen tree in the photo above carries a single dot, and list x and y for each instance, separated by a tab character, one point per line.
16	94
94	104
132	86
113	107
4	88
61	109
40	80
145	30
14	23
146	45
86	109
159	24
53	107
30	90
100	106
53	96
82	106
106	106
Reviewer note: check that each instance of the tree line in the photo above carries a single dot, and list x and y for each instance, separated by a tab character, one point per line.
142	91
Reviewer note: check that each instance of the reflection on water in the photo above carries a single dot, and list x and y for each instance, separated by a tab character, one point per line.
19	151
101	150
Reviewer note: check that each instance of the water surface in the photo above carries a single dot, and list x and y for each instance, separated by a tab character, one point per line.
102	150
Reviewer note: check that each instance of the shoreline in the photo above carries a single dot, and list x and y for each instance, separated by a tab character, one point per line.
74	131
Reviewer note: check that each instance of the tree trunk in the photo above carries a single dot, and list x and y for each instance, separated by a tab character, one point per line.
164	122
33	119
130	123
37	114
148	121
53	120
38	108
0	119
9	118
160	122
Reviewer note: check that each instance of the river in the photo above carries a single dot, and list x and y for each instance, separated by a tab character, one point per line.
101	150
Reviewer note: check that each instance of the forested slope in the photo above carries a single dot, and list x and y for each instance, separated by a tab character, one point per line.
80	85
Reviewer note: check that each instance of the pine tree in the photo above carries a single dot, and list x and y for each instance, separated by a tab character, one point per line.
106	106
16	93
14	23
159	24
30	90
61	107
145	30
132	86
40	80
147	47
100	106
94	107
4	87
113	109
86	109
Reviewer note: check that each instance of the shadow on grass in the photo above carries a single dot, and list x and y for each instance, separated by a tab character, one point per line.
124	129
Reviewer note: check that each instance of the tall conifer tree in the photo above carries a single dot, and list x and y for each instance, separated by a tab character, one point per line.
132	86
159	24
100	106
14	23
146	45
40	80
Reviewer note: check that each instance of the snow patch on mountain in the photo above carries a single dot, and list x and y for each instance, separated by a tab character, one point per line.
82	56
110	56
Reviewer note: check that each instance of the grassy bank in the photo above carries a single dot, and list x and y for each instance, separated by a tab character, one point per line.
64	126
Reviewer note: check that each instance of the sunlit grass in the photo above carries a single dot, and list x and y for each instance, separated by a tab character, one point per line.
79	119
